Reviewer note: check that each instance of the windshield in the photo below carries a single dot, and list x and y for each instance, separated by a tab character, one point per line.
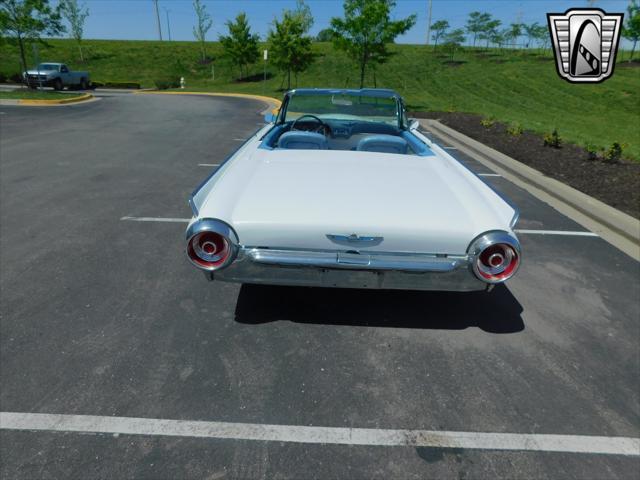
47	66
343	106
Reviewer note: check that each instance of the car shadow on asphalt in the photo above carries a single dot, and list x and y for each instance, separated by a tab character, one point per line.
495	312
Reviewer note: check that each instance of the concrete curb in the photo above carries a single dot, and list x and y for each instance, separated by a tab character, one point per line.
616	227
64	101
274	103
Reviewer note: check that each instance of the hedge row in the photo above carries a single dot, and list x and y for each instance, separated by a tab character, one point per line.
108	84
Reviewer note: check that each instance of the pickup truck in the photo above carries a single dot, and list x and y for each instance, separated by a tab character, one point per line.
56	75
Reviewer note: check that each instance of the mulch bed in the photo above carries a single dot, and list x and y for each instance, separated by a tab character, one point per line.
616	184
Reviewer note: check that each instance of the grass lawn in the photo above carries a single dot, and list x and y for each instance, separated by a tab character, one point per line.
511	86
35	95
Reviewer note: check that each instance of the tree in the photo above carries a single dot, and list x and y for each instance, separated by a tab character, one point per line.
438	29
366	29
241	46
514	32
541	35
477	23
26	20
302	13
489	31
75	15
502	38
631	29
453	41
203	25
530	31
290	47
324	35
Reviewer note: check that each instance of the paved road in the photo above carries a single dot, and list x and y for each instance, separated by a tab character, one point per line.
106	317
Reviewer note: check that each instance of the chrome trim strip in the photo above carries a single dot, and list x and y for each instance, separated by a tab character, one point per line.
516	217
380	261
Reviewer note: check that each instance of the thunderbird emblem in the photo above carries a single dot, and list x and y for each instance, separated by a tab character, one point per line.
354	238
585	43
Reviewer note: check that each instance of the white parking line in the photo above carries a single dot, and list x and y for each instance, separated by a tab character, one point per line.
450	148
321	435
557	232
156	219
208	164
240	139
489	175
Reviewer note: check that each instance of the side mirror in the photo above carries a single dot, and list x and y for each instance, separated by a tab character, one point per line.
270	117
414	125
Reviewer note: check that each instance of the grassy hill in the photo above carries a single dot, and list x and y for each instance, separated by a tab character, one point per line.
511	86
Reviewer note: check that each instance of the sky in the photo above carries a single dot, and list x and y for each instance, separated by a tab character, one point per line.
136	19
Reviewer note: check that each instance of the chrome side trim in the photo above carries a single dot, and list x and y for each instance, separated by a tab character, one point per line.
192	204
516	217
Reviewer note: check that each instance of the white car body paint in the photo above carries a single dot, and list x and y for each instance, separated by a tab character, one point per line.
294	198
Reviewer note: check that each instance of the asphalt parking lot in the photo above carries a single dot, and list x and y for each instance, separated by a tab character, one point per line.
104	316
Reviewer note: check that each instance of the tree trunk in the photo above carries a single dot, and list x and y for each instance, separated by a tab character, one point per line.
633	49
22	55
288	78
81	56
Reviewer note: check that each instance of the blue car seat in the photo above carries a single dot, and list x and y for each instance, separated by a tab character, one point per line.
383	144
298	140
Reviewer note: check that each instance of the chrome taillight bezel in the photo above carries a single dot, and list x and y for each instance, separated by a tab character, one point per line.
499	240
204	261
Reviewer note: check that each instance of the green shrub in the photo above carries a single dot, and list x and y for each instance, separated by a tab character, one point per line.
515	129
166	83
110	84
487	122
552	139
614	153
3	78
16	78
592	151
135	85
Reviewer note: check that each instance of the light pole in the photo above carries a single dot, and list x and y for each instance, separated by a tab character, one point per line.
158	19
166	11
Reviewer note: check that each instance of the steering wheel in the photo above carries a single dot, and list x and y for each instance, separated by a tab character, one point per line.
322	127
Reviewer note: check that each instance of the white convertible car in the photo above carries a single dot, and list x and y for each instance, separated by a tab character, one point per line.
338	190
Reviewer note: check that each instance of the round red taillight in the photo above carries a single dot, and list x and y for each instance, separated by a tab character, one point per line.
209	250
497	262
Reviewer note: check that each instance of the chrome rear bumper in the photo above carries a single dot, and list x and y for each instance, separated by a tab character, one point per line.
351	270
